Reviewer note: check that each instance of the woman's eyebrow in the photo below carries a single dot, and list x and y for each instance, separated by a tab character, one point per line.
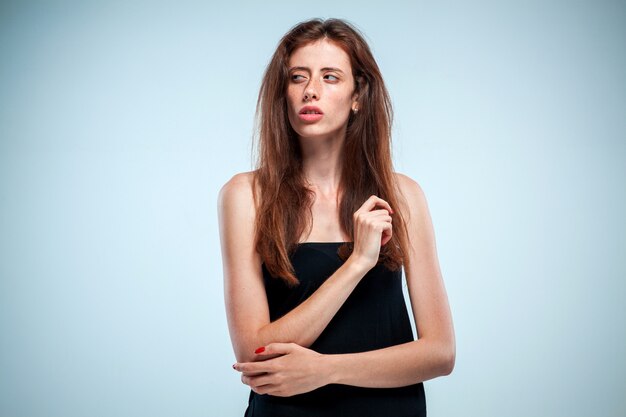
307	69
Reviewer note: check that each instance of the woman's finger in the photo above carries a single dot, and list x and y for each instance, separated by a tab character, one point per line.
253	373
383	218
257	381
372	202
254	367
379	212
386	235
266	389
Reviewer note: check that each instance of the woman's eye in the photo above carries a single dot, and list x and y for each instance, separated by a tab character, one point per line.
334	77
295	77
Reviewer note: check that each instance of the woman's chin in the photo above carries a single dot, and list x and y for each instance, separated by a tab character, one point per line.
311	133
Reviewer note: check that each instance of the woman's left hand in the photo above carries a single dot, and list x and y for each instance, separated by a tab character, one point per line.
297	370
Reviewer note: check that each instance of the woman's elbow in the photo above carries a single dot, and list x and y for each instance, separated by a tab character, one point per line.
244	350
448	362
244	356
246	353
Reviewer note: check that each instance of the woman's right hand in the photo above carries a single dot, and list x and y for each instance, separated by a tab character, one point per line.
372	229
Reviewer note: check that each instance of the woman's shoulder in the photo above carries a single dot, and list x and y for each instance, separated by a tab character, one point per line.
241	179
238	188
407	185
412	197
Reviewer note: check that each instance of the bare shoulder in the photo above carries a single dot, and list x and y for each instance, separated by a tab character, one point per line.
407	184
236	214
412	194
238	187
236	196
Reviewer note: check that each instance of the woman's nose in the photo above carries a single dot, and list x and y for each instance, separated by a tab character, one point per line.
311	92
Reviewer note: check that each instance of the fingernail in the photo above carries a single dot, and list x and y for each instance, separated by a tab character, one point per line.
390	209
260	350
234	365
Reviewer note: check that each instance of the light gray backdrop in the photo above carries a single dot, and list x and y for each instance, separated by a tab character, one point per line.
120	121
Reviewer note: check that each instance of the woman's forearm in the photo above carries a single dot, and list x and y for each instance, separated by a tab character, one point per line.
305	323
395	366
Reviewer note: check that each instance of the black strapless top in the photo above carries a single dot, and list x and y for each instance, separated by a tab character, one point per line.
374	316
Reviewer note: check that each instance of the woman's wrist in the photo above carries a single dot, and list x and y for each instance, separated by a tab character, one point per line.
329	369
358	266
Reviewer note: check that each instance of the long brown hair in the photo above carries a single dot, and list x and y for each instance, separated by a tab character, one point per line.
283	201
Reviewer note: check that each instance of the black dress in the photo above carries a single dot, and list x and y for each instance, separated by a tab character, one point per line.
374	316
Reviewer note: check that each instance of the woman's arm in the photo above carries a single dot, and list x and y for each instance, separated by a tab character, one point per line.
298	370
433	354
395	366
244	290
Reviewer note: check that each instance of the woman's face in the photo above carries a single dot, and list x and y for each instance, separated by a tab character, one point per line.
320	75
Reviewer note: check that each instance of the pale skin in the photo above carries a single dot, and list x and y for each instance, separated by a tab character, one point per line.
321	75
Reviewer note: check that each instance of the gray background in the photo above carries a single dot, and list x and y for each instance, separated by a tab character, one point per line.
120	121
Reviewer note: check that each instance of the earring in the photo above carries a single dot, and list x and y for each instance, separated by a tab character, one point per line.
355	111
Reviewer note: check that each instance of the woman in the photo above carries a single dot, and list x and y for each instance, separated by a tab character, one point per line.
314	239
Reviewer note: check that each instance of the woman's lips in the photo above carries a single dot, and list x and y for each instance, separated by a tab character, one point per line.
310	117
310	114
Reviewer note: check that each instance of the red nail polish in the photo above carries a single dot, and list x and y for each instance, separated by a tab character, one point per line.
260	350
234	365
